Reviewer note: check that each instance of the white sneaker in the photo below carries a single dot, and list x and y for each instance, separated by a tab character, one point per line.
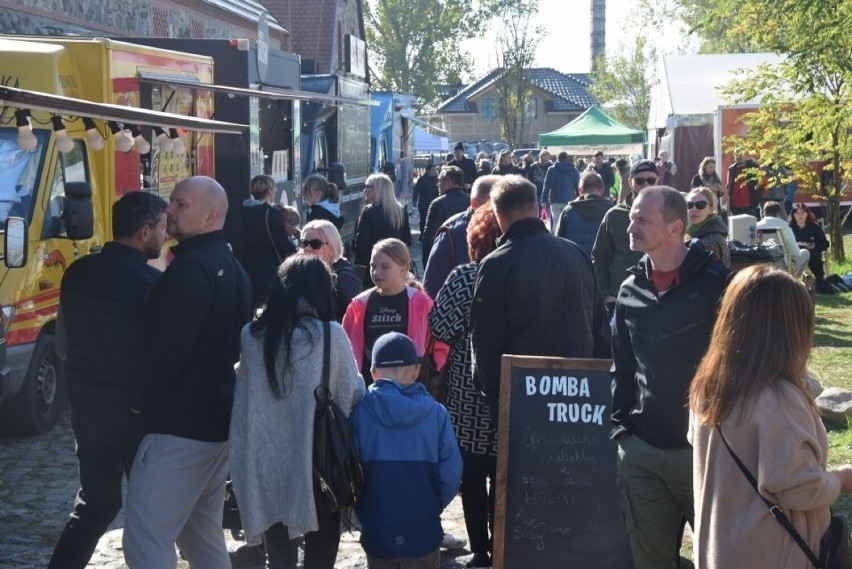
451	542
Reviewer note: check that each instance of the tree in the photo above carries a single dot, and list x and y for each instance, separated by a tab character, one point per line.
516	46
804	114
623	82
415	42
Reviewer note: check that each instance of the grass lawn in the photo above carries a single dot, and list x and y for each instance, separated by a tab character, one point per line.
831	362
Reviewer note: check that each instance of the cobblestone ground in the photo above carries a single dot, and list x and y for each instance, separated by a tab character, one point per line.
38	481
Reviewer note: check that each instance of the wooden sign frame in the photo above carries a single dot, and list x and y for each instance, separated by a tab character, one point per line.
508	363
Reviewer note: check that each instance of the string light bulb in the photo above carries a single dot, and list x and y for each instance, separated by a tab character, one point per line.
122	138
26	139
179	147
93	135
163	139
64	143
141	145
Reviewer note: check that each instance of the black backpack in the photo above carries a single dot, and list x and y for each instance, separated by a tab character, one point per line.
338	474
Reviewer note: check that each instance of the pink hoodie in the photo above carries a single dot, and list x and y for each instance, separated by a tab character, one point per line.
419	304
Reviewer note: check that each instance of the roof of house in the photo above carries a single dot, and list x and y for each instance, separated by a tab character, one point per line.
569	91
248	9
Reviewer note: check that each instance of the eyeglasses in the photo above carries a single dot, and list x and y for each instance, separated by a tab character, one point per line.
312	243
643	181
696	205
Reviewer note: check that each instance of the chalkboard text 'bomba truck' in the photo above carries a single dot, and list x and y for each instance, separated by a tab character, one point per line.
82	122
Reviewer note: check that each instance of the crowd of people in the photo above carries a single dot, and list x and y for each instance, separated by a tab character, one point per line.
211	366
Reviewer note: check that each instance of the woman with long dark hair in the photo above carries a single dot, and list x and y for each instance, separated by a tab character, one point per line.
810	236
749	393
271	439
448	322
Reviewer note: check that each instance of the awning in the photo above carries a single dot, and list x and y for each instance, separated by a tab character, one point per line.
428	127
24	99
265	92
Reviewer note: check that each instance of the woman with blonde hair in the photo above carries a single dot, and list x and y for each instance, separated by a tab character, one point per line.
706	225
321	238
749	399
394	304
382	218
323	197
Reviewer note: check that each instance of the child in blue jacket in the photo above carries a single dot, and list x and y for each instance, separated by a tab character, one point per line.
412	463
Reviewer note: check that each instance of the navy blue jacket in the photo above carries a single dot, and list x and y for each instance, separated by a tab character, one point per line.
448	252
454	201
581	219
101	304
561	183
412	466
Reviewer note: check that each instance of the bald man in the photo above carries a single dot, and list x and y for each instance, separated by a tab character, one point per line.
184	389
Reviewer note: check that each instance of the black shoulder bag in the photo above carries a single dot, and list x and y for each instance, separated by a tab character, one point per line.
338	474
835	547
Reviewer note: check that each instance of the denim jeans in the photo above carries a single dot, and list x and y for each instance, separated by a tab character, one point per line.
106	445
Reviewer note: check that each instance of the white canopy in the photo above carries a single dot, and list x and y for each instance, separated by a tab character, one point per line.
688	91
425	142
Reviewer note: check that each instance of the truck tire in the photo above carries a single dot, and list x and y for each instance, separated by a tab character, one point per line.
43	396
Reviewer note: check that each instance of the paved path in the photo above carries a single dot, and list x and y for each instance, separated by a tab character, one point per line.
38	481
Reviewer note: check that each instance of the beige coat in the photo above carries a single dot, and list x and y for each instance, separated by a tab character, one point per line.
782	441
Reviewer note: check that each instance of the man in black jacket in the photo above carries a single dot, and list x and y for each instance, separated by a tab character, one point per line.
535	295
185	388
465	164
99	334
664	316
452	200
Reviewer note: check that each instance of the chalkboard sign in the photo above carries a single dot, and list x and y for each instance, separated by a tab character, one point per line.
557	502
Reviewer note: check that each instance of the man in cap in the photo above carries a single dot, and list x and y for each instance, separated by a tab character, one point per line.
611	253
467	165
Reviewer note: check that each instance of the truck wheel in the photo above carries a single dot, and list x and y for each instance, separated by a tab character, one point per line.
43	396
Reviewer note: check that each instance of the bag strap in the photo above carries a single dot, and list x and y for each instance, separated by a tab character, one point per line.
774	509
326	355
271	240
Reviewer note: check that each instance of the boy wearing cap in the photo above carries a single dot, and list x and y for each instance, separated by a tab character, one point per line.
412	463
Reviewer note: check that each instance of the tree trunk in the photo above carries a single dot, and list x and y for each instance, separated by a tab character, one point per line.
838	252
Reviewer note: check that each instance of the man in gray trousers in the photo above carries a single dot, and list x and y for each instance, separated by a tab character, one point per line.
193	317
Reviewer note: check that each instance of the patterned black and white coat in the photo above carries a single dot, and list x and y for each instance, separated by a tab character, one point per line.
449	322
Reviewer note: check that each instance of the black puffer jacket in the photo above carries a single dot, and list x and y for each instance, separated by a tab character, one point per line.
657	343
535	295
265	245
193	318
101	303
372	227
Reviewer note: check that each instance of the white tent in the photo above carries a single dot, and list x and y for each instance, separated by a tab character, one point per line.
425	142
684	102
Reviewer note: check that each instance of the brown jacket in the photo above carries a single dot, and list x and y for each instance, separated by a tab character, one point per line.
782	441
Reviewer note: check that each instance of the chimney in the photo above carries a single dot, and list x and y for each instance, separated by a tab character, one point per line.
598	35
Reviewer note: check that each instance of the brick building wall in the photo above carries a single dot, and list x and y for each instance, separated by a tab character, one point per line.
318	28
163	18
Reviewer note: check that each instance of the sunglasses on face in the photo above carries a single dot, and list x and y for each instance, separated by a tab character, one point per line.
644	181
696	205
312	243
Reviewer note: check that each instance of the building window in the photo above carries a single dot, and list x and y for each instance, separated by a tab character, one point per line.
488	109
531	108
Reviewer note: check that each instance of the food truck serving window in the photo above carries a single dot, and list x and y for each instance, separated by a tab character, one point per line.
19	171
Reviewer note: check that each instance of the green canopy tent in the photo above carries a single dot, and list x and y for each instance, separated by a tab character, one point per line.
591	131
